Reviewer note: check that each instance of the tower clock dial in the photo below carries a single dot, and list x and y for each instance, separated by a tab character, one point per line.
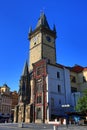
48	38
35	38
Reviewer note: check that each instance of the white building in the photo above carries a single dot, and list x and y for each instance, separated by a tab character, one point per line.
59	89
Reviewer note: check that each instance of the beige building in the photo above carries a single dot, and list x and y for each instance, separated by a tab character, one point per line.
78	80
8	101
78	76
14	98
5	102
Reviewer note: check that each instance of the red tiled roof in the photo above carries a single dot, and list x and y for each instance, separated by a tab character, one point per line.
85	68
78	68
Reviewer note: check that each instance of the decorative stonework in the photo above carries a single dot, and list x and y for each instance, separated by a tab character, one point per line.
40	102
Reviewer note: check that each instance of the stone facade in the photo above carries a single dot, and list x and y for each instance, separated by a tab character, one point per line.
40	100
24	97
42	43
45	85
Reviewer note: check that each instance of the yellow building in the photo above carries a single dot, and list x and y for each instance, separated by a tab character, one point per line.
14	98
78	76
8	101
5	102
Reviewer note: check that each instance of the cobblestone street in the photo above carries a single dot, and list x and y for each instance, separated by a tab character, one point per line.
13	126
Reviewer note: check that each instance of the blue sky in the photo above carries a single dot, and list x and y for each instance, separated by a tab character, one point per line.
16	16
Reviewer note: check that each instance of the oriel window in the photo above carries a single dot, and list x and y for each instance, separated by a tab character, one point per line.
39	70
39	99
39	86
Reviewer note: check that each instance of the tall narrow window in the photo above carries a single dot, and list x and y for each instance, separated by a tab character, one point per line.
52	102
84	79
39	113
39	85
59	101
73	79
39	99
39	70
59	88
58	75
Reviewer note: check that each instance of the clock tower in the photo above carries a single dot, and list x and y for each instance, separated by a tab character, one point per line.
42	42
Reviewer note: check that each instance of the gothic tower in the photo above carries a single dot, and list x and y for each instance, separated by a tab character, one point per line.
24	87
42	42
24	96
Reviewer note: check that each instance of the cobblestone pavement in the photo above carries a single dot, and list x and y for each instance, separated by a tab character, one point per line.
73	127
32	126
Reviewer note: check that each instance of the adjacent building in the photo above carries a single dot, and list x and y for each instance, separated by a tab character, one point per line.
78	80
14	98
7	103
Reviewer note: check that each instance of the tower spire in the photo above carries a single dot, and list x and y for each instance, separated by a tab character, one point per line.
54	28
25	69
30	29
42	21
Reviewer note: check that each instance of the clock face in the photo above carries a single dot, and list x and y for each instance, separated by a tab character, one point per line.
35	39
48	38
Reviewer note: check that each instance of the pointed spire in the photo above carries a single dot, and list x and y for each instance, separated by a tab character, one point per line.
25	69
42	21
30	29
54	28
